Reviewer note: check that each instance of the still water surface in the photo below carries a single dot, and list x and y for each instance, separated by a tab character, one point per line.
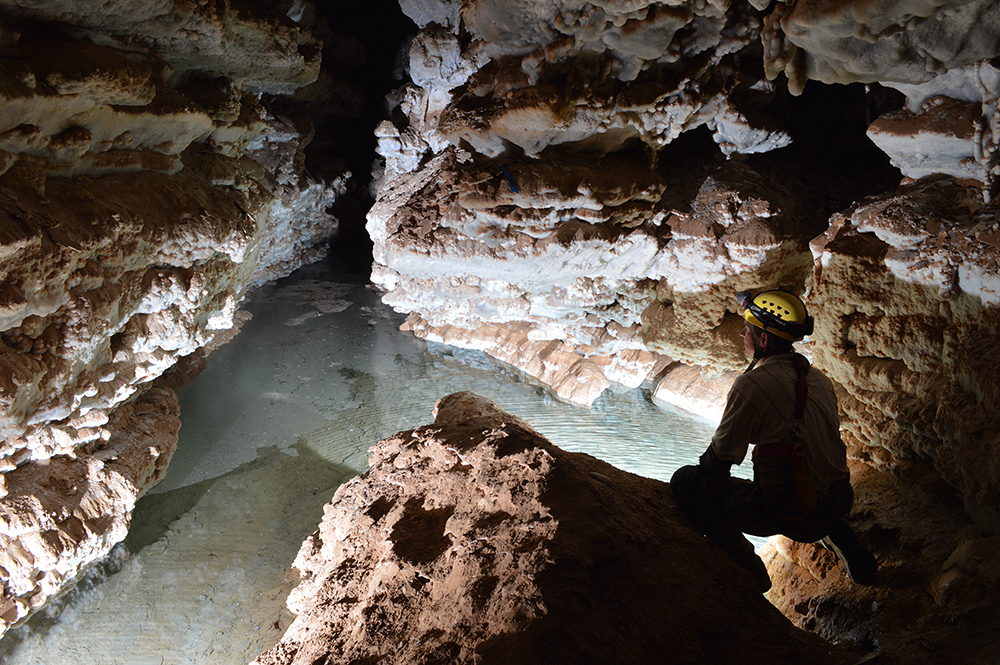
280	418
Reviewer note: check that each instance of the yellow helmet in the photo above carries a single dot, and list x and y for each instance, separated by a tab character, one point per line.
778	312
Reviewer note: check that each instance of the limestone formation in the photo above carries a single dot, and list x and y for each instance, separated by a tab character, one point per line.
951	615
255	46
533	184
549	194
577	188
57	518
898	41
579	258
906	295
948	127
474	539
145	185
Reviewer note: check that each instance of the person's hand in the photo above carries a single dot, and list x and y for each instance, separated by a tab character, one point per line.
712	465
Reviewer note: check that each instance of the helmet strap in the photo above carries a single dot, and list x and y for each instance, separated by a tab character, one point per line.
758	350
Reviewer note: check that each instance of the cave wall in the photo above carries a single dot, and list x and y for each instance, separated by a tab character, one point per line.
578	188
551	189
146	182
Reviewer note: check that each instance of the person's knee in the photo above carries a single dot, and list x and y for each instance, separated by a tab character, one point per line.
685	485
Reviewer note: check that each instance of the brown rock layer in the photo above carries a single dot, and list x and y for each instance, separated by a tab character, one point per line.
905	294
474	539
57	518
936	600
144	186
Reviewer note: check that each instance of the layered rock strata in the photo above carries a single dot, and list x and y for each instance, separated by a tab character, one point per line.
901	41
474	539
906	291
534	182
548	195
145	185
58	517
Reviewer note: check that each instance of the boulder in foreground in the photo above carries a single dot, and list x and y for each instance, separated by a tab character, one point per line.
474	539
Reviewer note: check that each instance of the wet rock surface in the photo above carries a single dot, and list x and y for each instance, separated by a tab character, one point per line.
577	188
473	539
145	185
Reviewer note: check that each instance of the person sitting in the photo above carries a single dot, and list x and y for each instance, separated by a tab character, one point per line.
787	411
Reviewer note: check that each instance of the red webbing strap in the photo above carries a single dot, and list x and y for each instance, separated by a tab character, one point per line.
784	448
776	449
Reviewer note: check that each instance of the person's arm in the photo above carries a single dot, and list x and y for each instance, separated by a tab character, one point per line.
736	430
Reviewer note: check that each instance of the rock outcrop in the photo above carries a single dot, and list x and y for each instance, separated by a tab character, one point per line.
58	517
580	189
538	183
145	184
906	292
474	539
936	597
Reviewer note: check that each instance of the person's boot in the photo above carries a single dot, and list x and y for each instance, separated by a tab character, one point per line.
742	553
758	571
860	564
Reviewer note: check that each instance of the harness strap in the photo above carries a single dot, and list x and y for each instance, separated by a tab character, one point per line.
776	449
784	448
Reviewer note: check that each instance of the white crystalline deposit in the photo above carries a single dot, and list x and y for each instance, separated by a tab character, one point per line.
975	83
483	217
950	126
125	120
446	13
933	246
536	75
107	281
130	290
57	518
573	252
904	41
136	207
735	134
573	245
261	50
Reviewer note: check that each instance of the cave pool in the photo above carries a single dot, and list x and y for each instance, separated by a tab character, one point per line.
282	416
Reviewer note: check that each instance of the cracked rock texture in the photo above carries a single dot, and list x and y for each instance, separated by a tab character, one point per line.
145	184
579	189
475	540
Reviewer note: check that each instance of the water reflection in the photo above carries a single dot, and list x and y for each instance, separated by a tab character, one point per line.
279	419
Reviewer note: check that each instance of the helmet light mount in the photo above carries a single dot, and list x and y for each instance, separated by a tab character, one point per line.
777	312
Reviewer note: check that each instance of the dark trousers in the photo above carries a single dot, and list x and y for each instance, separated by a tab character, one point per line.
724	508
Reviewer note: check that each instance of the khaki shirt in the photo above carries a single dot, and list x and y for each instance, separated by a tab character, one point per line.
761	409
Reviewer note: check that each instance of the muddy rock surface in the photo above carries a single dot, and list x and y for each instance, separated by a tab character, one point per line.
474	539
